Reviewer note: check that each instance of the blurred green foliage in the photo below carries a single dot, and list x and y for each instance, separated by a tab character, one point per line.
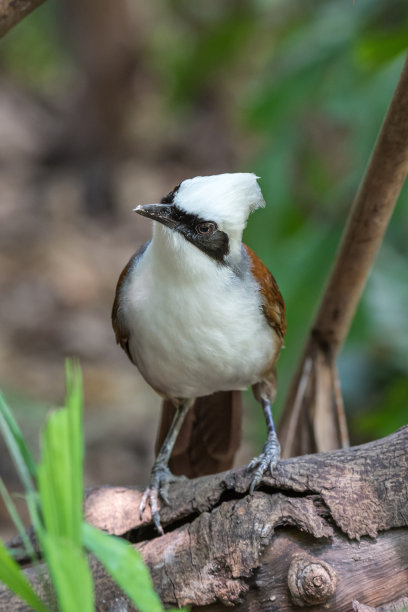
34	51
309	84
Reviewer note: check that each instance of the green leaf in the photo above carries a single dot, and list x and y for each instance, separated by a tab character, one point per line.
70	573
60	474
74	406
125	565
215	48
61	516
12	510
18	449
60	484
380	47
14	578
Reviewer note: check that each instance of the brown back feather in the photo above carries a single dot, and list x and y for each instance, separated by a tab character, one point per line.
273	306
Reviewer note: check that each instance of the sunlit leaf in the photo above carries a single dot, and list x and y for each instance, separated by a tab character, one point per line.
60	480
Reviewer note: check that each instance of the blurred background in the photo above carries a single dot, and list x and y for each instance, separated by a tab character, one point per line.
105	104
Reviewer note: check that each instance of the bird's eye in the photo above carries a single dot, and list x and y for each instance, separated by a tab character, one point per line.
206	228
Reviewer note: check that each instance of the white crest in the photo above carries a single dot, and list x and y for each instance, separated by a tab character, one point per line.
227	199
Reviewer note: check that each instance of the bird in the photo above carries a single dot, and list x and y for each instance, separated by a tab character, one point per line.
202	318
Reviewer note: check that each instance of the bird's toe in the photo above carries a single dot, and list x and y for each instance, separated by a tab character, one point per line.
268	459
158	488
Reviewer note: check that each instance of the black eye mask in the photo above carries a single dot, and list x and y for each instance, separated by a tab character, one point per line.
214	244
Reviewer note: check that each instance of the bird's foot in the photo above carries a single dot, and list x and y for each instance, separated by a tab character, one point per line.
158	487
267	459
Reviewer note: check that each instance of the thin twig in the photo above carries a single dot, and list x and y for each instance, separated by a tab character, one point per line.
297	405
13	11
338	400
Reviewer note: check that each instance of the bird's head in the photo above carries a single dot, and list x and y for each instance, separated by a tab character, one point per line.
209	211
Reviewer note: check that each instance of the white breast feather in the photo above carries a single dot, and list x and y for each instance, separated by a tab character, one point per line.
198	328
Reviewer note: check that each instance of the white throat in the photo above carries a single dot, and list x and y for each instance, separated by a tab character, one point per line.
172	254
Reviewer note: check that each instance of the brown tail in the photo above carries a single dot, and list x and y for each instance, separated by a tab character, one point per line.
210	435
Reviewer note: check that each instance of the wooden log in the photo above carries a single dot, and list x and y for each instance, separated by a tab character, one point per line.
325	531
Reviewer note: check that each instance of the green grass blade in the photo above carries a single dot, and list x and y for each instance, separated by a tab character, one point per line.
14	578
12	510
126	567
60	485
27	544
74	407
19	451
60	479
62	517
70	573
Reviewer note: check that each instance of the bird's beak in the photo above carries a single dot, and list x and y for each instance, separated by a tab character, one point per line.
158	212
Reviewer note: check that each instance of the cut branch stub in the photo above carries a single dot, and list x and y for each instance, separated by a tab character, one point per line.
311	581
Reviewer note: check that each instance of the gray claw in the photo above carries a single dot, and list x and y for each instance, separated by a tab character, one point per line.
154	505
152	494
142	506
267	459
164	493
160	479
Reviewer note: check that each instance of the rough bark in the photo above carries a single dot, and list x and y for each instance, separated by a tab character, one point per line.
329	528
395	606
13	11
313	416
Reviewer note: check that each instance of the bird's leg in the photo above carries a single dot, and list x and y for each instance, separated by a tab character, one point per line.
271	450
161	476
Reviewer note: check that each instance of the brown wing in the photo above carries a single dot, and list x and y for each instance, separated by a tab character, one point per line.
273	304
210	435
118	321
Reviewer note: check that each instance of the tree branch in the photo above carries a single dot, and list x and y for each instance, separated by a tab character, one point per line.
313	416
13	11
